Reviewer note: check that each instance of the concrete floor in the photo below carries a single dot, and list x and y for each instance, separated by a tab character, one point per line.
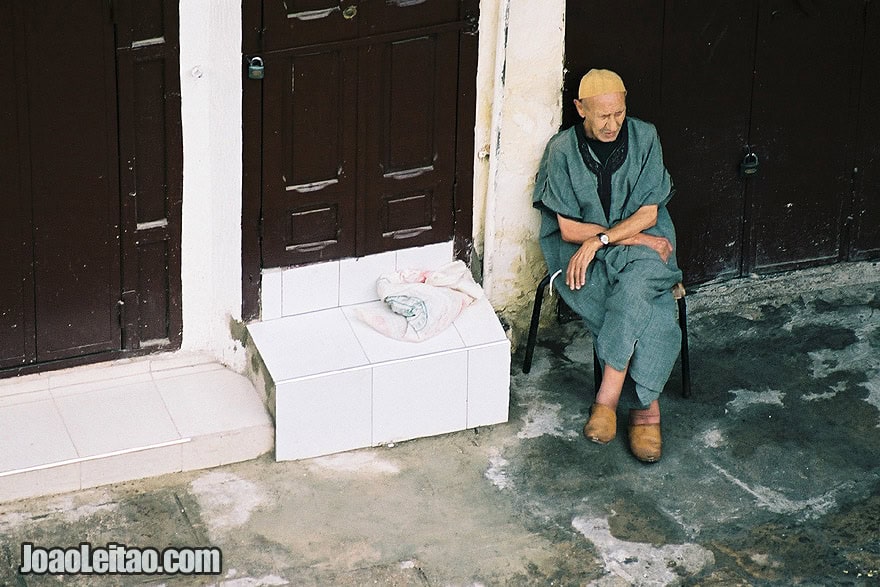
770	474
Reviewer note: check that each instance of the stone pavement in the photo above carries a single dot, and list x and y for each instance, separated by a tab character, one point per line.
770	474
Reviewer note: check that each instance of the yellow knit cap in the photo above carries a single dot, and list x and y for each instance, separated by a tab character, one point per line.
600	81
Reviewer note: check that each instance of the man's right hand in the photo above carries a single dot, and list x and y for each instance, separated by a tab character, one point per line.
576	274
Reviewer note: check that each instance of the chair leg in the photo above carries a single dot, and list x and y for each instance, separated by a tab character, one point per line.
597	369
533	327
685	357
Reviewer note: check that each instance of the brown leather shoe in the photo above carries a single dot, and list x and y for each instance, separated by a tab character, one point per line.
645	442
602	426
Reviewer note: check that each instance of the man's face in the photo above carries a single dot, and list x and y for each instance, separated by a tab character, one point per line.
603	115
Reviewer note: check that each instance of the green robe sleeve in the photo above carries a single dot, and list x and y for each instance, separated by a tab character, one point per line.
553	189
653	184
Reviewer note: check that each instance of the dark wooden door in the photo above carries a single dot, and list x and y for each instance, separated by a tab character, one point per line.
803	128
778	77
359	126
16	287
704	120
865	214
65	106
74	251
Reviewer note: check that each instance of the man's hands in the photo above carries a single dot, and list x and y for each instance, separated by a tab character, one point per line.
660	244
576	274
626	232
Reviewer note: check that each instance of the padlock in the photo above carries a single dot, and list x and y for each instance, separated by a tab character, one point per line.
749	165
255	68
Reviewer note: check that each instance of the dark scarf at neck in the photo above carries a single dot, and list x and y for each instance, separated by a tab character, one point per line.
603	172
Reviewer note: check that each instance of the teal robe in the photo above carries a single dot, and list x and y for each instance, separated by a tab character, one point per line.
627	300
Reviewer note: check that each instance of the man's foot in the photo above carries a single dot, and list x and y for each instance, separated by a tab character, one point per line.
602	426
645	442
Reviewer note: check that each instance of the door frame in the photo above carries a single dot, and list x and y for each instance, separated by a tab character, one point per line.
252	181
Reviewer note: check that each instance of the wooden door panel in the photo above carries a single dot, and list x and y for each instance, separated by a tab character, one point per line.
74	180
309	135
628	41
865	233
399	15
15	344
704	125
803	124
150	152
409	103
299	23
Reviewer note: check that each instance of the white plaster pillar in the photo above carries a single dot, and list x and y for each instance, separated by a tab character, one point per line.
211	85
526	51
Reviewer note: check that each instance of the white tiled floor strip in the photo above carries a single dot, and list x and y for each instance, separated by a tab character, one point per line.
88	426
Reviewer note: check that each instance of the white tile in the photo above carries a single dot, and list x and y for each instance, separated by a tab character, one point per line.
297	346
33	434
310	288
323	415
212	402
134	465
421	397
357	277
115	419
380	348
40	482
25	398
24	384
239	445
179	360
488	384
98	372
270	294
429	257
98	384
477	324
186	371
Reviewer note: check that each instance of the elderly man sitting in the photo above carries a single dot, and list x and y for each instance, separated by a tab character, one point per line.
602	190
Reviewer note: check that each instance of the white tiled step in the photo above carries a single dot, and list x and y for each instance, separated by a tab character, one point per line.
89	426
340	385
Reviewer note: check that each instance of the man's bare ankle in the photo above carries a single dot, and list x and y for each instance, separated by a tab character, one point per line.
643	417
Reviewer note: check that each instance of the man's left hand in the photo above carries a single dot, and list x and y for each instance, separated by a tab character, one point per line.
659	244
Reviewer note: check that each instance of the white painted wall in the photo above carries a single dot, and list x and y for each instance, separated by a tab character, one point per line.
520	76
210	76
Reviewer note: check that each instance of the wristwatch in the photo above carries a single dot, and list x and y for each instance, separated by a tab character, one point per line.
603	238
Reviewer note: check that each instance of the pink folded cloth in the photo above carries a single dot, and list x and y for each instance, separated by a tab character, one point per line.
421	304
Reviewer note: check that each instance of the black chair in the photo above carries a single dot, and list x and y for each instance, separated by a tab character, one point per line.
678	292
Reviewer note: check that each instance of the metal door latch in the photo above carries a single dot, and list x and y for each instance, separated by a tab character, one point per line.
255	68
749	165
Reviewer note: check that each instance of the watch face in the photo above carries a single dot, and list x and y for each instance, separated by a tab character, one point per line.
604	238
